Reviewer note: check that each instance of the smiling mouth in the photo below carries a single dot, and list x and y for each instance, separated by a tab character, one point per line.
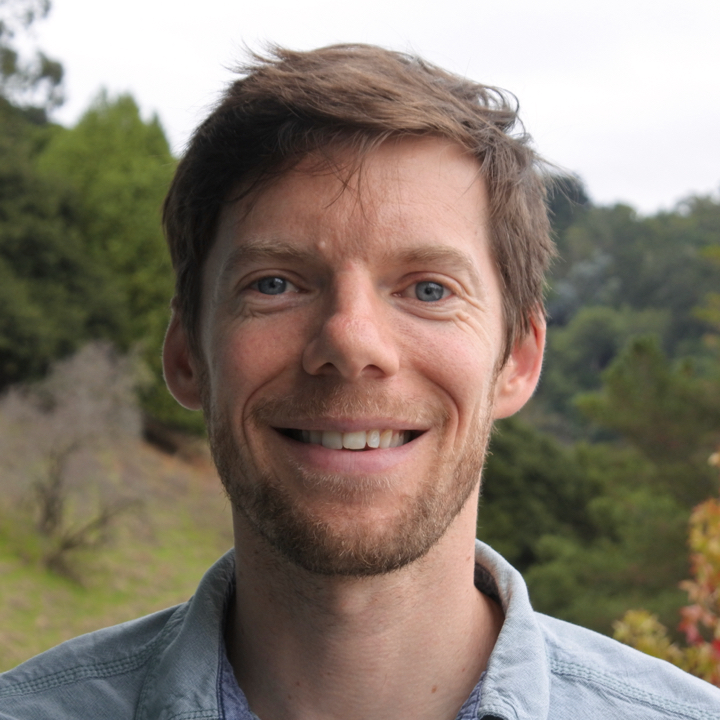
359	440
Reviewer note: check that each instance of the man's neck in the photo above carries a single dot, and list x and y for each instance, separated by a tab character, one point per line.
412	643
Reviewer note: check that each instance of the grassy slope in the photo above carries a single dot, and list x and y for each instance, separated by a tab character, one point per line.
156	559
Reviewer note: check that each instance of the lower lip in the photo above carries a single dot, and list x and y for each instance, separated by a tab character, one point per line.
350	462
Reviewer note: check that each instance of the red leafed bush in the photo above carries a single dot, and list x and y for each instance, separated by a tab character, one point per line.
700	619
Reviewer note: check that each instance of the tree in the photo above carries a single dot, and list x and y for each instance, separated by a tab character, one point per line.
579	352
118	168
532	487
700	620
52	295
598	526
634	558
567	202
613	257
709	311
82	255
585	525
34	81
54	437
671	415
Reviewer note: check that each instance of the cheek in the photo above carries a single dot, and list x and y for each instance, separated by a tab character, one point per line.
459	360
249	357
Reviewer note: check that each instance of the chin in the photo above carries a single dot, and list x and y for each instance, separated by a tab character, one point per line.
347	536
372	525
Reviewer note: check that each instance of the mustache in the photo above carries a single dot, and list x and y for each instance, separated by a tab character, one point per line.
323	403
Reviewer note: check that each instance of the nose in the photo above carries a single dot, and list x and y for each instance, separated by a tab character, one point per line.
354	337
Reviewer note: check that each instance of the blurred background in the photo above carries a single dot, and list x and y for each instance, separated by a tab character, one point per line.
623	92
110	507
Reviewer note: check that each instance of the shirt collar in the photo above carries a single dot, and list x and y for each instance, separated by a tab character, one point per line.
517	680
192	671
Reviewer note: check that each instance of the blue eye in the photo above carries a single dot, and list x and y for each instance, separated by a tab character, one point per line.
271	285
429	291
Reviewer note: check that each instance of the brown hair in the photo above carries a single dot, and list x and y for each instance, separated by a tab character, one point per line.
290	104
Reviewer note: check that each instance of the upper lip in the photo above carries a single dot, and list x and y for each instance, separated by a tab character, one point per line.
347	425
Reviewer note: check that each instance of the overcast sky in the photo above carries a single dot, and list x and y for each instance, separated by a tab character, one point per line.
626	93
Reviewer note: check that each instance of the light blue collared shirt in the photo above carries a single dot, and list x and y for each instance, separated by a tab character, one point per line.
172	665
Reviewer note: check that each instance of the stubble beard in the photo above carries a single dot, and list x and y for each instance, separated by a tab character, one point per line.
314	542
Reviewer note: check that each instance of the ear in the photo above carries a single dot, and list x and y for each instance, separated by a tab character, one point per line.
520	374
180	367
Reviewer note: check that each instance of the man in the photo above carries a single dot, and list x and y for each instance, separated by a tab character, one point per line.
360	244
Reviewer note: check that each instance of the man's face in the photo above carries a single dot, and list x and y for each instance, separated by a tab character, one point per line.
351	331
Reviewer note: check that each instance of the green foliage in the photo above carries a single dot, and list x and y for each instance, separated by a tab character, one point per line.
81	251
631	299
585	525
701	618
667	413
666	420
52	294
567	202
34	81
709	311
635	557
118	167
532	487
578	353
612	257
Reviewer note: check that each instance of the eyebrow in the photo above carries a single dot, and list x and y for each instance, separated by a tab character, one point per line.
434	255
256	248
253	249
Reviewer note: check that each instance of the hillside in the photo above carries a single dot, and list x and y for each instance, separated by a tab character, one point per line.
155	559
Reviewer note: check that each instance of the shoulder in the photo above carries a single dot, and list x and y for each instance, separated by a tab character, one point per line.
546	668
95	676
588	668
162	665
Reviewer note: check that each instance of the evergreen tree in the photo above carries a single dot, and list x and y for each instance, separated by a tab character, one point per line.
118	167
52	295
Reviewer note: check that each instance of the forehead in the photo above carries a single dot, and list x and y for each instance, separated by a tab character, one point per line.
404	195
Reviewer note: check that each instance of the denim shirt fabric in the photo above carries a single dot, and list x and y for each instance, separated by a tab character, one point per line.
172	665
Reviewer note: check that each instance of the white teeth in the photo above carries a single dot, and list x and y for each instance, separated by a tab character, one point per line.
354	440
400	438
332	440
357	440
